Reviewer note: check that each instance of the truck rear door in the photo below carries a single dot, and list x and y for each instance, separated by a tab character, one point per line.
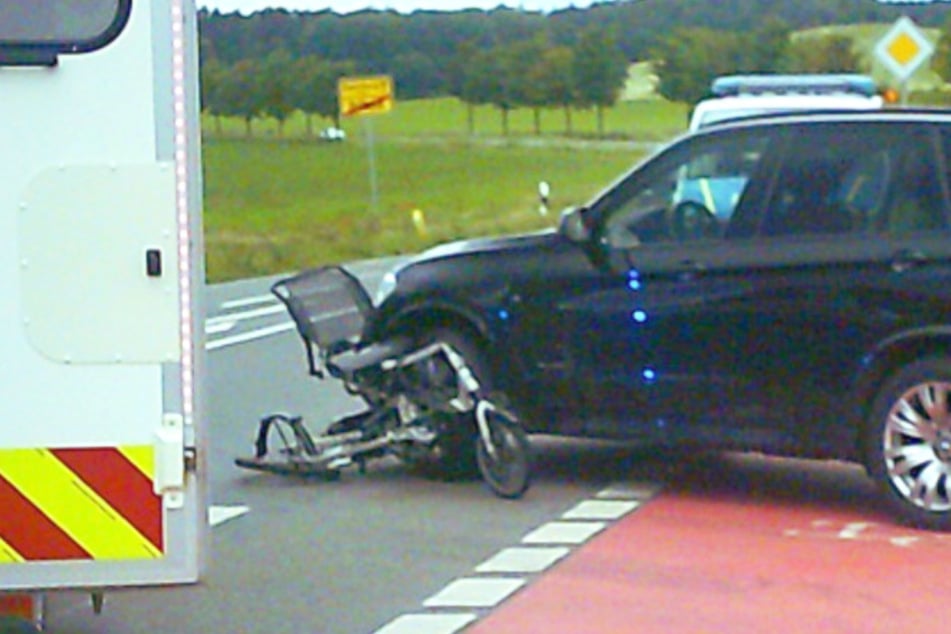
100	274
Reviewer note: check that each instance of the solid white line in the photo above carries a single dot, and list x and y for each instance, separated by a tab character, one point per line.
523	560
563	533
427	623
249	336
248	301
600	510
474	593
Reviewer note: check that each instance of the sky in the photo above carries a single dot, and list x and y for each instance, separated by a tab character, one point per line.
403	6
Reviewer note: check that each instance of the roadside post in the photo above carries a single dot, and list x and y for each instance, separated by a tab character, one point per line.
361	97
902	50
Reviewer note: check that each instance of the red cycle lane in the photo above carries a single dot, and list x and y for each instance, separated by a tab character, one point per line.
729	562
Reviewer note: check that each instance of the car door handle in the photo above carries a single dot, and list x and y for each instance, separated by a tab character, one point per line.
906	259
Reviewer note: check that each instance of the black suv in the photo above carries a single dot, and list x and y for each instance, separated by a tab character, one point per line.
780	284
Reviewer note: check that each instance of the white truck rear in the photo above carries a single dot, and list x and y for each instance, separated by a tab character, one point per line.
101	327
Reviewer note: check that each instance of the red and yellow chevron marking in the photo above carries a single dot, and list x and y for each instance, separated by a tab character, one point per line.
76	504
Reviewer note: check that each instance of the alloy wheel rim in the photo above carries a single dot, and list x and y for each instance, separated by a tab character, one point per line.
917	446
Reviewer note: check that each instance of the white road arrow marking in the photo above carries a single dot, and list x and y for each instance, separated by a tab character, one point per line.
218	515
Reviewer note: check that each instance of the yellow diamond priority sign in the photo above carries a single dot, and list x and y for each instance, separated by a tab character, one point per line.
365	95
904	48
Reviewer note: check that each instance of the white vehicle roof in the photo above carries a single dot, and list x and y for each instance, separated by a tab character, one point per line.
747	95
718	109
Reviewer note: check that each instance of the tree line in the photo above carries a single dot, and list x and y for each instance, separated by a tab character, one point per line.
417	47
275	62
531	73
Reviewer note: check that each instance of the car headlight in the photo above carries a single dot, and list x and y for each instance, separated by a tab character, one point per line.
387	286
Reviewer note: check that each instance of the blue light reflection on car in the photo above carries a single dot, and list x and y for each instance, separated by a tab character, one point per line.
634	280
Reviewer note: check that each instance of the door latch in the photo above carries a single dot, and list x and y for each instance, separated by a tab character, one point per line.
153	262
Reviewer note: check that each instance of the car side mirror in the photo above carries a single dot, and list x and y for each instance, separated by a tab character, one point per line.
572	225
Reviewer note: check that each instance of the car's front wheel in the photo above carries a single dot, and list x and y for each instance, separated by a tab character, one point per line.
908	443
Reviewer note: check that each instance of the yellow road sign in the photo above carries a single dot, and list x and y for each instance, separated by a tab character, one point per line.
365	95
904	48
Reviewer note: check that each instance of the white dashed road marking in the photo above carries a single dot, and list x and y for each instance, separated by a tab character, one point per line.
484	592
523	560
465	600
600	510
428	624
564	533
630	491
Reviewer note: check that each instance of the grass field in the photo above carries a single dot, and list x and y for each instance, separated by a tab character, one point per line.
279	204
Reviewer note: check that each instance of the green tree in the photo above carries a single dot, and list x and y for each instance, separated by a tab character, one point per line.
822	54
276	87
524	66
212	77
240	93
554	73
504	65
599	71
486	82
315	88
460	81
941	60
769	45
417	75
691	57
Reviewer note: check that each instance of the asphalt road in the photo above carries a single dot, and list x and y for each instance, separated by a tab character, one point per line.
391	553
343	557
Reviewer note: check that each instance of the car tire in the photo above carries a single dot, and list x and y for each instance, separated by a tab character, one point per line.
908	443
453	455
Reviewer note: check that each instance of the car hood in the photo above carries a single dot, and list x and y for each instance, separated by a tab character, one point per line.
487	246
472	267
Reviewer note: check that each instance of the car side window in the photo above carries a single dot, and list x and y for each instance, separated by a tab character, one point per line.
916	202
691	194
855	178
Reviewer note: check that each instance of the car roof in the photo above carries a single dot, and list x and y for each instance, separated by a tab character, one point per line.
712	111
935	115
794	84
